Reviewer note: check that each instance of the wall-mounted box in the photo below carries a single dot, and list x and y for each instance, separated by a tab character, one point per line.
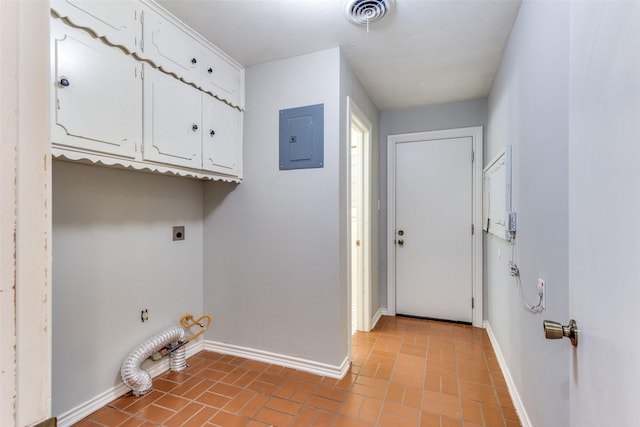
302	137
497	216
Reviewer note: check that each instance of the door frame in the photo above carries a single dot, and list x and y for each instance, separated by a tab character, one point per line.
475	133
355	114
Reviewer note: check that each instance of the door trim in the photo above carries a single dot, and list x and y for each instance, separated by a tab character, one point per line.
354	113
476	205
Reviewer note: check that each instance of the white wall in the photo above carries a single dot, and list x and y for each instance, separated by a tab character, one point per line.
272	266
528	109
113	255
433	117
350	86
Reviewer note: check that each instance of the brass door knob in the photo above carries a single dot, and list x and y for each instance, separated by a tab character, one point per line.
554	330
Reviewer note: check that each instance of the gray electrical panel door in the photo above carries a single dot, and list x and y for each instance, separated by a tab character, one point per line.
302	137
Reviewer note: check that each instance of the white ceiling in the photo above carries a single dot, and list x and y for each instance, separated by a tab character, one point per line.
423	52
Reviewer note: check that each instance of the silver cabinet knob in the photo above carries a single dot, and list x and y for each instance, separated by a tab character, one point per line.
400	242
554	330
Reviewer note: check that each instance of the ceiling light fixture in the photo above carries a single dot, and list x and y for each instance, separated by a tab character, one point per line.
365	11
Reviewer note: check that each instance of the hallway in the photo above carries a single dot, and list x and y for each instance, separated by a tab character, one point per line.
405	372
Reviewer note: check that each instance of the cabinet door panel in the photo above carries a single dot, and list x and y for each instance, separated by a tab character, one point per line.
222	149
170	47
173	128
118	21
98	105
221	78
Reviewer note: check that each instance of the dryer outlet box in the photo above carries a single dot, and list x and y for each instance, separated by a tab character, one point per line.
178	232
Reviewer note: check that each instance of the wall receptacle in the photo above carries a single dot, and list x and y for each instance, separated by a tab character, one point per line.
542	292
178	232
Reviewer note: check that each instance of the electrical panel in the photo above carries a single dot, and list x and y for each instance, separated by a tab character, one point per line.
302	137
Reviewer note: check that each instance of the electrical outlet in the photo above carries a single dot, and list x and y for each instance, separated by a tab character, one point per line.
513	269
542	293
178	232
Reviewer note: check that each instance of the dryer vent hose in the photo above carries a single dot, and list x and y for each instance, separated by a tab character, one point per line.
137	378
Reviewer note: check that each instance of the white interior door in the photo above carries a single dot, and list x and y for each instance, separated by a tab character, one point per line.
604	208
433	212
357	285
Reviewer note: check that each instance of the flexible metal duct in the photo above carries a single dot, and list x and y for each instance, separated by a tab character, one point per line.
137	378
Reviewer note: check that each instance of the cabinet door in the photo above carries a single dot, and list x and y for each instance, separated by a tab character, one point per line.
97	95
170	47
116	20
172	121
221	78
222	138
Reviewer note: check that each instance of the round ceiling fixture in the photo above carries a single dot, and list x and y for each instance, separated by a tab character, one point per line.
366	11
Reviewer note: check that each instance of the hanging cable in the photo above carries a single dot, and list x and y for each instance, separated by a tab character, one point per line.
515	272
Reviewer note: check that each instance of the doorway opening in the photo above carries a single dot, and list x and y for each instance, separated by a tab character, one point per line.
359	215
434	262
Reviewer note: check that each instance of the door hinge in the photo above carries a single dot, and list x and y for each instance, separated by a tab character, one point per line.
473	156
473	303
473	229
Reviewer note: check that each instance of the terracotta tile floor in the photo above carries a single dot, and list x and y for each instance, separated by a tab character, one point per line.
406	372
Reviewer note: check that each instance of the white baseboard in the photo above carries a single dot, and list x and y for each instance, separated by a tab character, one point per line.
513	391
377	317
90	406
317	368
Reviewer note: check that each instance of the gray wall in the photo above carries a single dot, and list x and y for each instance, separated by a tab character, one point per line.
272	270
528	109
434	117
113	256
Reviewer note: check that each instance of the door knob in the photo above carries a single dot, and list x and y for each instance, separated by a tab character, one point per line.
400	232
400	242
554	331
64	82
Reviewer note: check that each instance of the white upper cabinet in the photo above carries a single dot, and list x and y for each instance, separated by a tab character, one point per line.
97	100
176	49
116	20
170	47
173	121
222	128
221	78
134	87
